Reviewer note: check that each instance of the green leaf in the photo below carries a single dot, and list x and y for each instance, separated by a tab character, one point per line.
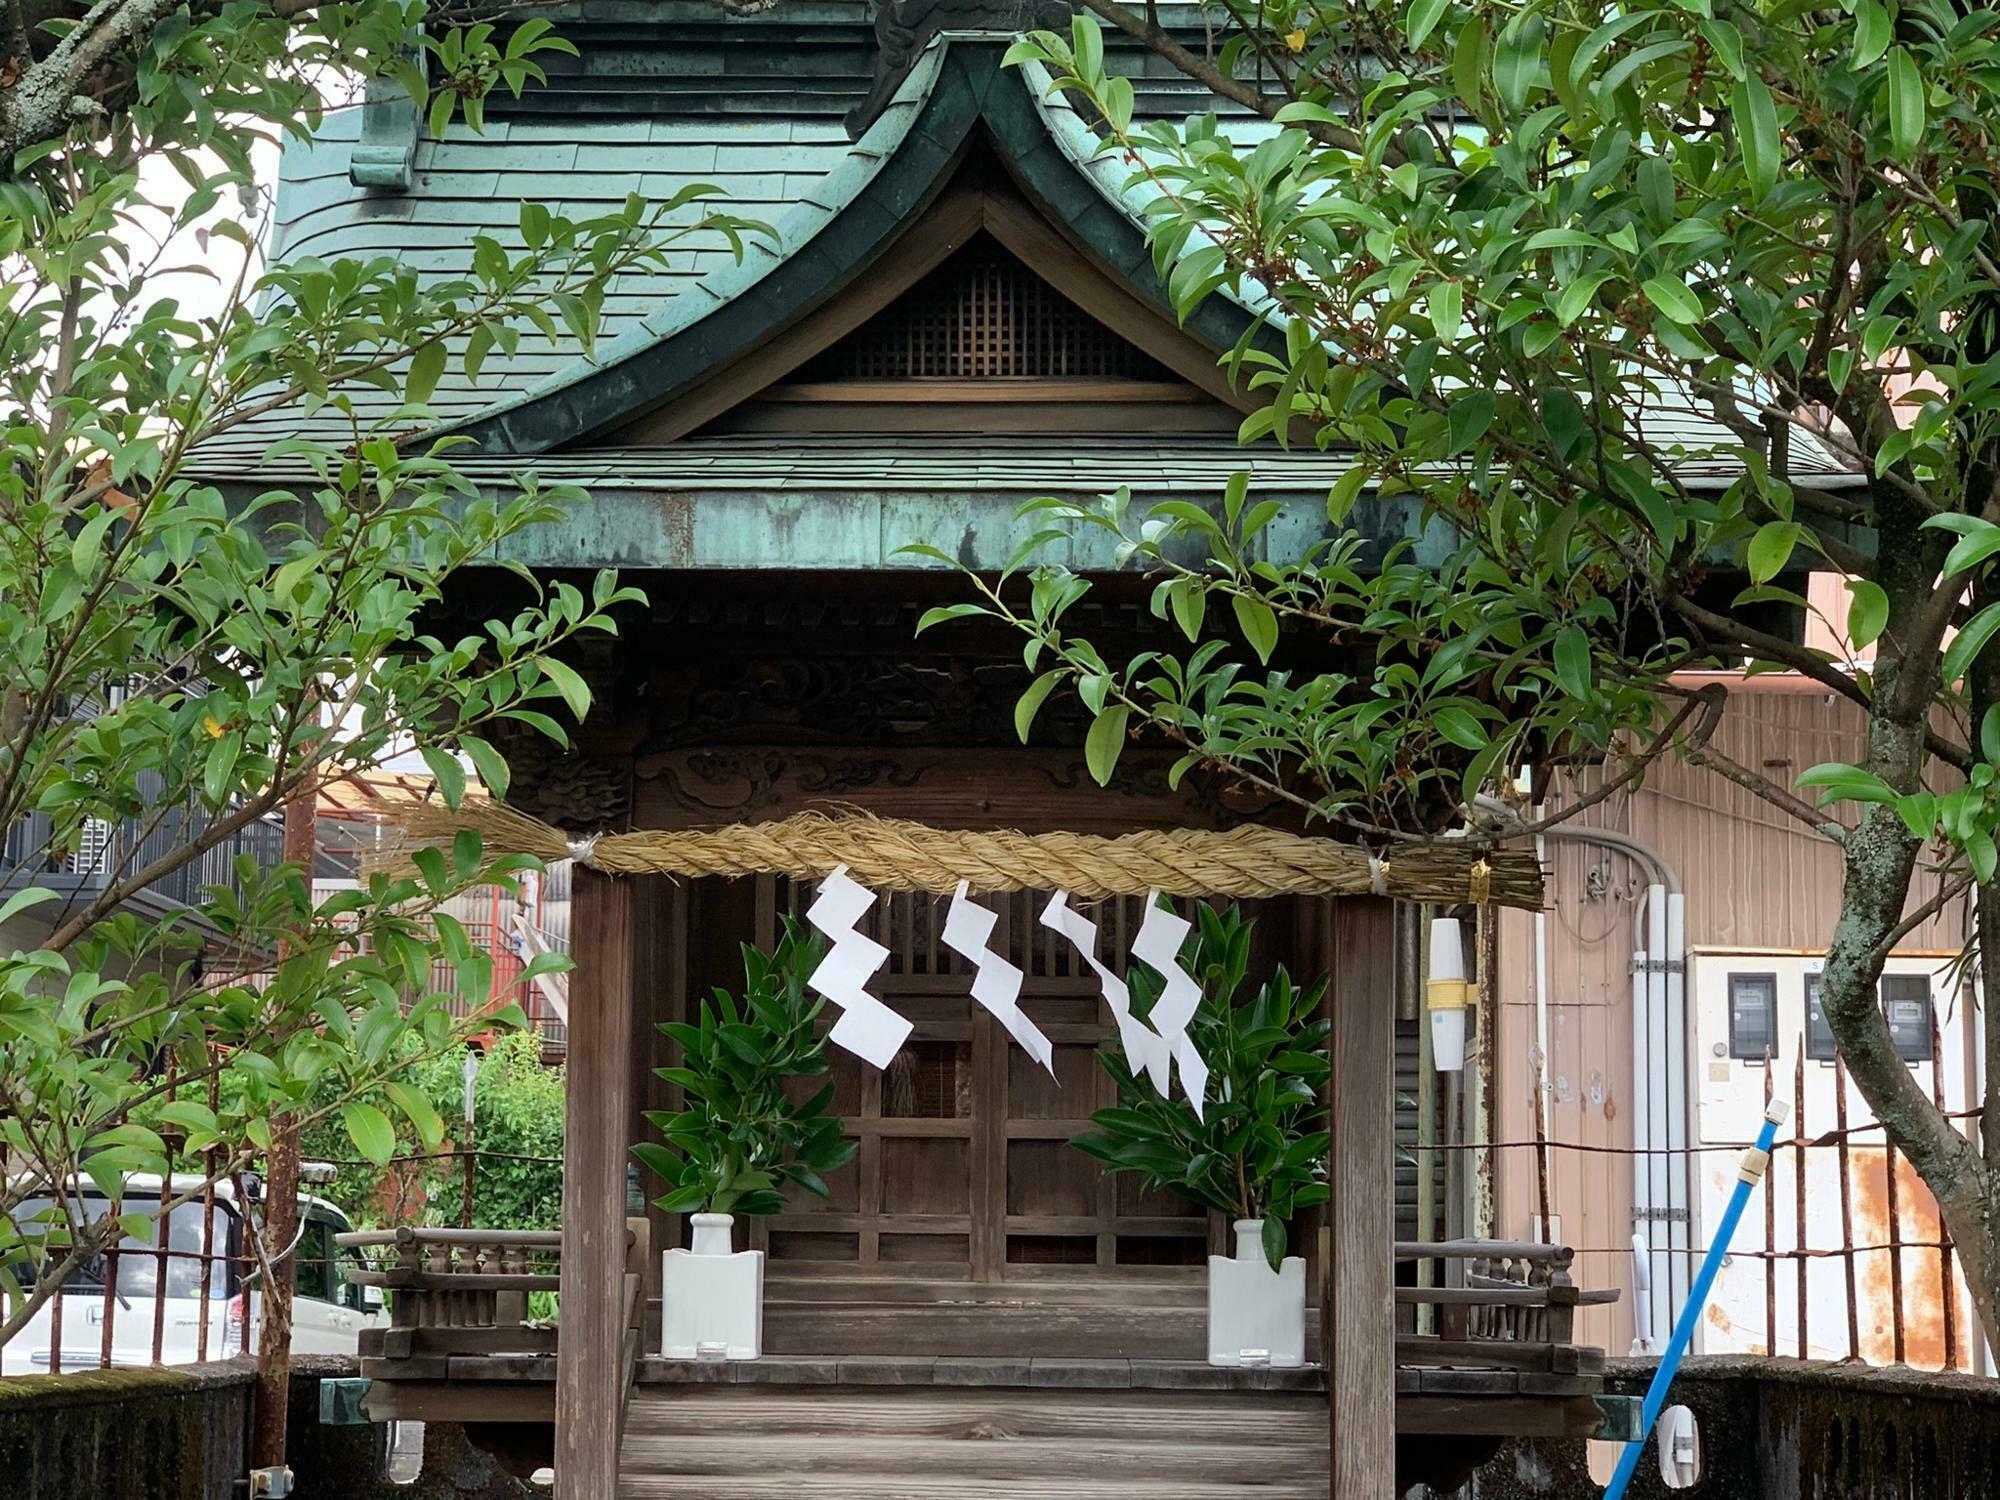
1460	727
939	614
218	775
1905	103
1469	57
447	771
21	900
1346	490
1756	116
1257	622
1572	659
426	366
1839	782
1030	702
1422	19
1467	419
1872	33
489	763
1983	855
1517	60
1673	299
1447	309
420	1112
575	692
370	1131
1576	296
1274	1240
1969	643
1771	548
1979	542
1105	741
1867	612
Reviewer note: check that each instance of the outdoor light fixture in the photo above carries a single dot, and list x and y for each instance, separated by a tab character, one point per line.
1447	996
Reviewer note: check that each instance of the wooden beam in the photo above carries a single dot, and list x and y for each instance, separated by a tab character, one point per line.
590	1344
1359	1311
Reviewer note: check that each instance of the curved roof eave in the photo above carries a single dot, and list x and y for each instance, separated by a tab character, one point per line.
852	214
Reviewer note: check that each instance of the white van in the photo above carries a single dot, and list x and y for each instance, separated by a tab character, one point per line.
328	1311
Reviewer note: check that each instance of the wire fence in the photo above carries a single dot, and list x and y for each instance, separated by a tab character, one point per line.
1854	1254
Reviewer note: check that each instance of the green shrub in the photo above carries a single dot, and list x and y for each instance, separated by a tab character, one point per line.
1259	1151
743	1134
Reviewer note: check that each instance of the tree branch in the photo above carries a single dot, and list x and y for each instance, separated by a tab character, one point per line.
1709	701
1206	73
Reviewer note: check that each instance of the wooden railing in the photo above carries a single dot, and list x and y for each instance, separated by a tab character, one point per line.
462	1294
1499	1304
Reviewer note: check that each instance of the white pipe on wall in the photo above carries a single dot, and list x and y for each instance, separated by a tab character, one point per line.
1545	1098
1644	1178
1660	1051
1678	1168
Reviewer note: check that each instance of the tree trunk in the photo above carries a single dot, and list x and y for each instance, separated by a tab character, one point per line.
1880	859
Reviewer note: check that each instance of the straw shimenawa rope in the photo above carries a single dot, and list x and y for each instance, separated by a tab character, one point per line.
892	854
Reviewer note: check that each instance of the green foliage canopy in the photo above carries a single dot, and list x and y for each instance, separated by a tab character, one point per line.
1504	250
178	665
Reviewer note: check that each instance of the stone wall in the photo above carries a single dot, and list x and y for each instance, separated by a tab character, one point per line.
179	1434
1776	1429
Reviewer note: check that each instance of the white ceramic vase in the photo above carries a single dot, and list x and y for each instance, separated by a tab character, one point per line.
1256	1316
712	1298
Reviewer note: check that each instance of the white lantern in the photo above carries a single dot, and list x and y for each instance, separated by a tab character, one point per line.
1447	996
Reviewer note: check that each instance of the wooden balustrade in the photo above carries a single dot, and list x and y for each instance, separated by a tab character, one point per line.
1502	1304
458	1294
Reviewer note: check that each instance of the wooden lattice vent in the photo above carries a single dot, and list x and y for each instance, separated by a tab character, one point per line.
983	316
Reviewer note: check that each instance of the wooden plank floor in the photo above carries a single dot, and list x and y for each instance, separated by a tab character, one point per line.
764	1442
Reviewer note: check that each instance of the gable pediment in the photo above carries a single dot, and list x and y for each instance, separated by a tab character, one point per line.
980	344
968	147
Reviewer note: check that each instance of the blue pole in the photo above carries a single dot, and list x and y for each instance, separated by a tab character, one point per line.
1748	1174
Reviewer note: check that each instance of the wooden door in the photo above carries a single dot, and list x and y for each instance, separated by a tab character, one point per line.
965	1171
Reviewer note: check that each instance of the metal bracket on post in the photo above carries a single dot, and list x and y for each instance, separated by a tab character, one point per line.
1658	966
340	1401
386	154
1621	1419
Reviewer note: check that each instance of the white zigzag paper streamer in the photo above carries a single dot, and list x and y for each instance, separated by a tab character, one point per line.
867	1027
1159	942
1145	1052
996	983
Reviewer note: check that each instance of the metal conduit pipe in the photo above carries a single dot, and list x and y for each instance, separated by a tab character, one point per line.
1662	1202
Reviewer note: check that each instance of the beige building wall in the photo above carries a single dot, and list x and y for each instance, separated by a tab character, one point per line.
1753	877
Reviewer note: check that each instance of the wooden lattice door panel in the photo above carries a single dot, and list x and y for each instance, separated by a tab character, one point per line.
965	1171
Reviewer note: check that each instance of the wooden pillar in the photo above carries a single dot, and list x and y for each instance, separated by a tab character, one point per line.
660	993
590	1337
1359	1312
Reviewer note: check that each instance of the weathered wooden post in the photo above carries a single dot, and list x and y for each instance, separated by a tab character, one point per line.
590	1333
1360	1313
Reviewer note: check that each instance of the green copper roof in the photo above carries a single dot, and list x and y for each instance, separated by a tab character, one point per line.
830	200
839	226
802	501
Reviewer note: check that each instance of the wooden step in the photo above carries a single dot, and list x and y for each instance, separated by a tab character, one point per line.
842	1443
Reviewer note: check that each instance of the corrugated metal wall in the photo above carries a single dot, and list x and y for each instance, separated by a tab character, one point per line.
1754	878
